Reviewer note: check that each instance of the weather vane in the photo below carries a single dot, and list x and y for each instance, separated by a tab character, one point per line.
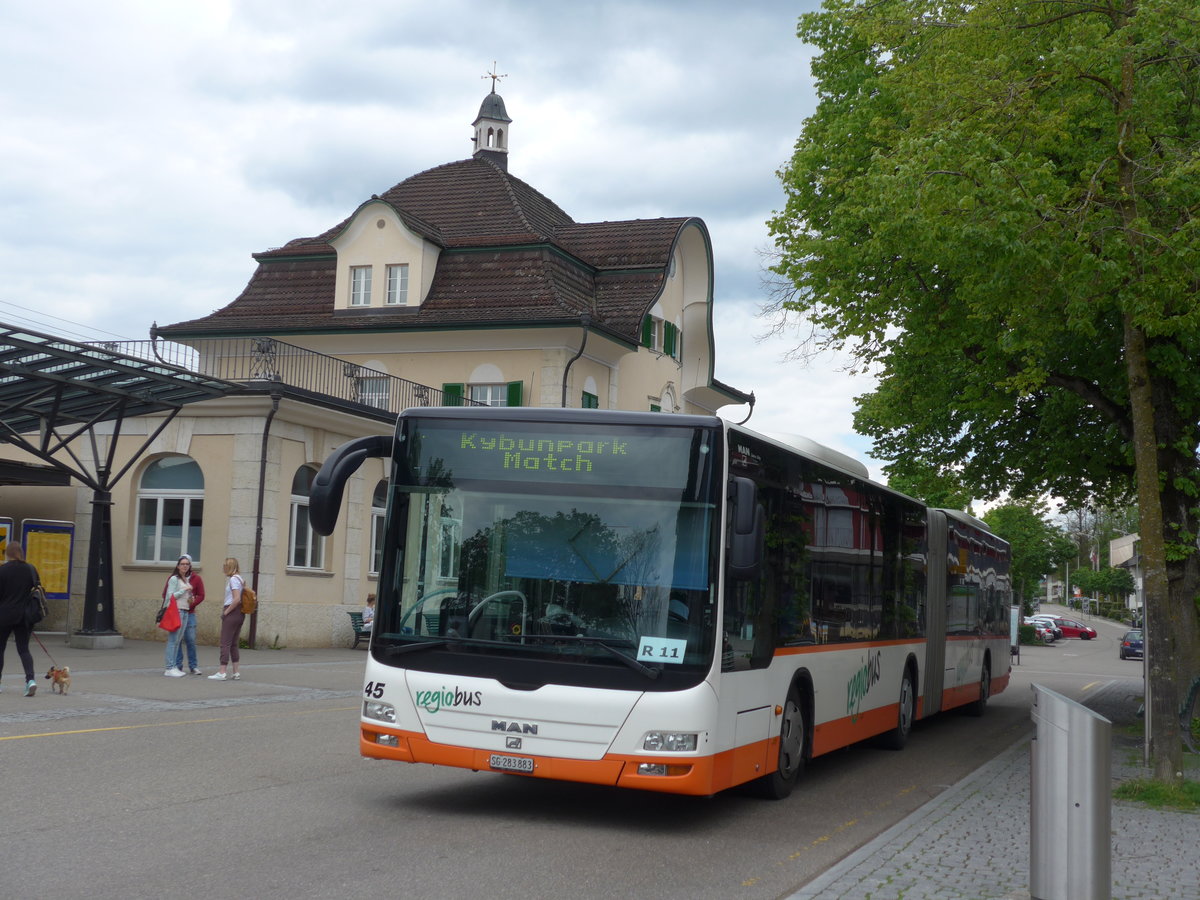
492	75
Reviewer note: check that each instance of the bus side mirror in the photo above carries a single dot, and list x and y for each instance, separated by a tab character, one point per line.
747	533
325	496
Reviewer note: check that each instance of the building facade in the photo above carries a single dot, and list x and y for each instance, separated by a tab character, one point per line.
461	284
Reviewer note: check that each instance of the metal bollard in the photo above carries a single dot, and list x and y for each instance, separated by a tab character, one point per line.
1070	805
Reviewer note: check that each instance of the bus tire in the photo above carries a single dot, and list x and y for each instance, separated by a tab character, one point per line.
898	736
793	731
976	707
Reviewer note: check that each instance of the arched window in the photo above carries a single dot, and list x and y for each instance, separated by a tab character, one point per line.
307	548
170	511
378	503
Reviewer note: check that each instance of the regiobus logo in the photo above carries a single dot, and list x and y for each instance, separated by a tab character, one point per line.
860	683
432	701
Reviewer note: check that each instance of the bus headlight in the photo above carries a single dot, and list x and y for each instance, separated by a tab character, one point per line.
669	741
381	712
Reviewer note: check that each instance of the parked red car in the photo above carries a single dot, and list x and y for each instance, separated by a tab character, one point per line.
1070	628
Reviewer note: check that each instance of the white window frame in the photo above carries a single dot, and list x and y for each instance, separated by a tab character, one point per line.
378	513
372	390
397	284
360	285
161	498
488	394
306	548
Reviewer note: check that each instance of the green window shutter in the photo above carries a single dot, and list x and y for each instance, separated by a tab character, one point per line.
654	407
678	354
452	394
647	331
514	393
668	339
589	401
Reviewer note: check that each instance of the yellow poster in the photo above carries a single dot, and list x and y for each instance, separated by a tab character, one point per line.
5	532
48	548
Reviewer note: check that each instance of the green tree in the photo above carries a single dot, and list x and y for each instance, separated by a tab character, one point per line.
1038	548
1113	583
941	489
994	207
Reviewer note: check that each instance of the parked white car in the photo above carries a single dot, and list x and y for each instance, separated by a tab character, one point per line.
1049	622
1045	630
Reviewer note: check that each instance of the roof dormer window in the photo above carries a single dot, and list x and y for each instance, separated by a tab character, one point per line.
360	285
397	285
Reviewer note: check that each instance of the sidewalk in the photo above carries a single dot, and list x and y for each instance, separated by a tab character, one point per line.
972	842
130	679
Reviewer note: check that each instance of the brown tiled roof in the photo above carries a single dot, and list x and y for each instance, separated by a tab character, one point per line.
510	256
634	244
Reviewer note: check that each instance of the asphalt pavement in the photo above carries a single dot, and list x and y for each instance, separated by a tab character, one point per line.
971	842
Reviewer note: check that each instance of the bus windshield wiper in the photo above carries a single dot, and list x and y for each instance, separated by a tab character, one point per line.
649	671
415	646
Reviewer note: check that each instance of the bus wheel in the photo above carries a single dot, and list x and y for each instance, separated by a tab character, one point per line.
779	783
898	736
977	707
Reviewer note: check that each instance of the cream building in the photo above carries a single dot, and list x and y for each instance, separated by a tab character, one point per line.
461	284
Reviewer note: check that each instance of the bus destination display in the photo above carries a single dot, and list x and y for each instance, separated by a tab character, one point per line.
625	457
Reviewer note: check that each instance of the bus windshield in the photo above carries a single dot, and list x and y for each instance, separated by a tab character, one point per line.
570	543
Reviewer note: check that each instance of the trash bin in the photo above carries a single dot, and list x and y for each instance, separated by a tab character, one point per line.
1070	803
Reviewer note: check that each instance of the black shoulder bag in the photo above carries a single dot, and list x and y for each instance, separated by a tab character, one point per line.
35	606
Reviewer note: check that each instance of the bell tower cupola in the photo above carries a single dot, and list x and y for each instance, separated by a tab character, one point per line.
491	126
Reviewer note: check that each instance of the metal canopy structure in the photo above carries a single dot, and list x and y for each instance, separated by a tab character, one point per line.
54	392
12	472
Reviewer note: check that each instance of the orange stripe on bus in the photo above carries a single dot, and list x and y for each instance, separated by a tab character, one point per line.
852	645
704	775
852	729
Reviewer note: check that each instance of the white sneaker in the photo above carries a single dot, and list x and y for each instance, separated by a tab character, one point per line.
174	673
237	677
219	676
195	672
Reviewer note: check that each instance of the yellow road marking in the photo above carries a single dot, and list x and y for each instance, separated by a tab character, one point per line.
46	734
844	826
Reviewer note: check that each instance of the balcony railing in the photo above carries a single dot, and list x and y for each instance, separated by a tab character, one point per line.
260	362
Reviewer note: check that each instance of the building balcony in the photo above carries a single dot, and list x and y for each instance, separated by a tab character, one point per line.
264	365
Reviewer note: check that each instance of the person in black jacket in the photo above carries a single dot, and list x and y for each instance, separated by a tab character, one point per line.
17	578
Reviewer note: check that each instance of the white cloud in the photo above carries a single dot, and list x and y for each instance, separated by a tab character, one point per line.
149	148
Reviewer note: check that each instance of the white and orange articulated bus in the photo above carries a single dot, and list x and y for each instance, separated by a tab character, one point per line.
665	602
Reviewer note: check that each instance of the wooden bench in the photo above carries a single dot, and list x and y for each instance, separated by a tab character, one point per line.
361	633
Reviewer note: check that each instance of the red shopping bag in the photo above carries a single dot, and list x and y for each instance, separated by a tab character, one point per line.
170	620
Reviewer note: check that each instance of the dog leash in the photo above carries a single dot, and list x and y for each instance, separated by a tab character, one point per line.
43	646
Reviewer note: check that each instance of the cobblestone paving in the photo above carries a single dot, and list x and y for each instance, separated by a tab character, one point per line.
972	843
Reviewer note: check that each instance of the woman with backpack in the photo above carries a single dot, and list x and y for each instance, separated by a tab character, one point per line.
231	621
17	579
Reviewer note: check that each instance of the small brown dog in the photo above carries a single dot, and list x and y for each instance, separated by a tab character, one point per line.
60	679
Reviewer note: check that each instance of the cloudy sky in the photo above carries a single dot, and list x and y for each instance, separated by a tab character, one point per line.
148	147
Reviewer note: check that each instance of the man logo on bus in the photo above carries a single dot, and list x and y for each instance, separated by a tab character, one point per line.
860	683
